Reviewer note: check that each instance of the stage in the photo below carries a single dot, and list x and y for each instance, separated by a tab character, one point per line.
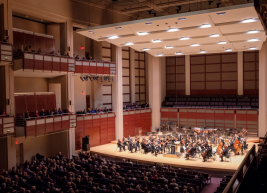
111	150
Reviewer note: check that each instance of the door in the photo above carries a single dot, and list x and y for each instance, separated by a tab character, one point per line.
19	154
87	101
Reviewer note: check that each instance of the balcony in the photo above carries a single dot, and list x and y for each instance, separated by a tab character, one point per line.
6	54
26	61
6	125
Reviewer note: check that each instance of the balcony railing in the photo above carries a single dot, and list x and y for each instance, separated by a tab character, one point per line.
6	53
6	125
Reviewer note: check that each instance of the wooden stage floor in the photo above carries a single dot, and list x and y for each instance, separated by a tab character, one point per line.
111	150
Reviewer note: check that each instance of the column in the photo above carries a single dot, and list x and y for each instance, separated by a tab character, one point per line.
71	136
187	75
69	29
117	99
132	74
162	62
240	80
262	90
71	101
154	89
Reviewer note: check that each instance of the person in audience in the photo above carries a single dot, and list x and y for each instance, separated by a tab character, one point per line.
6	40
39	51
77	57
88	110
66	111
55	112
48	112
26	49
3	113
91	58
27	115
36	114
58	53
106	110
93	111
60	111
52	53
42	113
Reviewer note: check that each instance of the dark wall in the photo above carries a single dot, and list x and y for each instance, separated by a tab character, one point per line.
3	153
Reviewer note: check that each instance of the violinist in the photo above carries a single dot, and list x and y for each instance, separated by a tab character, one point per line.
190	152
155	148
244	146
121	145
125	142
132	145
207	154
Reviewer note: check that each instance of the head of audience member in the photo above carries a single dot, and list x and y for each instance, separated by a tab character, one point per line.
39	50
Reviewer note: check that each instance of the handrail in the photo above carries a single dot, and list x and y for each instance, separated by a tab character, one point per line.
241	171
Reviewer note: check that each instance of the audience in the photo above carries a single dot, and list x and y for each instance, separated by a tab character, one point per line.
44	113
92	173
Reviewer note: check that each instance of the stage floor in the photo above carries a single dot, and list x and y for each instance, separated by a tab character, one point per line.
228	165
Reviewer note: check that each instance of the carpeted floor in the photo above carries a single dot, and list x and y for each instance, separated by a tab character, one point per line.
210	188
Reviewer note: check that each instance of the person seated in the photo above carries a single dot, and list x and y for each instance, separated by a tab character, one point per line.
39	51
88	110
137	107
93	111
27	115
106	110
121	145
65	53
60	111
91	58
36	114
55	112
103	110
124	107
99	110
42	113
77	57
3	113
66	111
58	53
48	112
26	49
6	40
52	53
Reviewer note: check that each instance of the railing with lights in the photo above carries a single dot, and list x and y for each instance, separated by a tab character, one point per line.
41	62
6	125
6	53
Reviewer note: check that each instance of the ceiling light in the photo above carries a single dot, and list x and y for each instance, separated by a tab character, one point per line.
91	32
205	26
252	31
228	50
248	20
178	53
182	18
142	33
159	55
202	51
193	45
253	40
221	13
129	44
113	37
222	42
172	30
117	27
252	48
145	49
214	35
168	47
148	23
156	41
184	38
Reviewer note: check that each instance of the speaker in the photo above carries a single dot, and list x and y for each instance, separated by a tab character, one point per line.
85	140
86	147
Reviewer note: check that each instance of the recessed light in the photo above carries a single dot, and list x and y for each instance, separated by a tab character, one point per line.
194	45
159	55
156	41
117	27
168	47
129	44
222	42
221	13
228	50
178	53
148	23
214	35
205	26
91	32
172	30
202	51
248	20
113	37
253	40
142	33
184	38
145	49
252	48
252	31
182	18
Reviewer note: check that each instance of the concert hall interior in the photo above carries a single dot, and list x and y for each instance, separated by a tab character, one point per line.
131	96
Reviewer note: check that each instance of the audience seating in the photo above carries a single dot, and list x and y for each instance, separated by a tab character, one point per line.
92	173
212	101
224	183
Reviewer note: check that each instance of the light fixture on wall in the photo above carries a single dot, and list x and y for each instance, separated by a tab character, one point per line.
82	47
83	93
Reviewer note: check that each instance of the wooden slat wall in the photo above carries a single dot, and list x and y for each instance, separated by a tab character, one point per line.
132	120
140	78
213	74
213	118
251	72
175	75
101	129
126	83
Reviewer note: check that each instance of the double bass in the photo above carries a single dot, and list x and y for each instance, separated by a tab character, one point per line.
219	148
239	146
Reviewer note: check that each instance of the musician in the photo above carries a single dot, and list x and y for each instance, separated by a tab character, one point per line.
207	154
121	145
244	146
224	153
190	152
146	146
125	142
132	145
155	148
231	145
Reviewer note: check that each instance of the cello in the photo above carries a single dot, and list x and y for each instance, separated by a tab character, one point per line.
219	147
239	146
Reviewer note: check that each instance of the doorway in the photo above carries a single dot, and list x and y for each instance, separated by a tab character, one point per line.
87	101
19	154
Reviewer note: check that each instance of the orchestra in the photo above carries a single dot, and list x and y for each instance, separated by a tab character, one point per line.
197	143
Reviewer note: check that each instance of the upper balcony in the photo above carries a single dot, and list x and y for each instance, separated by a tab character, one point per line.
6	125
6	53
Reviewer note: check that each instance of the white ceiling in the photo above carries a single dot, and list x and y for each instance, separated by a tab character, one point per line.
229	26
